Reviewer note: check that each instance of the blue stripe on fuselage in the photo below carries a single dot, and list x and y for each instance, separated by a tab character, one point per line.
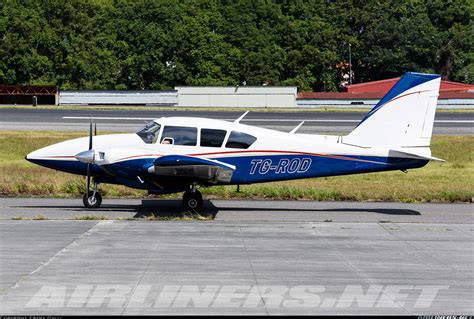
267	168
285	167
255	169
73	167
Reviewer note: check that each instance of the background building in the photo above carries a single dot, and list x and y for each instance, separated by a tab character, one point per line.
118	97
452	95
25	94
238	96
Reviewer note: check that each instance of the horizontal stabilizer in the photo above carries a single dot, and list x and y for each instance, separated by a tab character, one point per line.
395	153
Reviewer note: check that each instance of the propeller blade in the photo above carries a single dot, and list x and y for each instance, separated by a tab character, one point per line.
90	135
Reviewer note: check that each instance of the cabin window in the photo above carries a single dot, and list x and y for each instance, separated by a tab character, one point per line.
240	140
212	138
149	133
179	135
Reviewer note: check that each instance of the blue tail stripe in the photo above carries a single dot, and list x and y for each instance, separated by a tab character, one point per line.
406	82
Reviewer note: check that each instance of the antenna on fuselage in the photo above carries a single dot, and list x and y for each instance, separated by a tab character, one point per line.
241	117
293	131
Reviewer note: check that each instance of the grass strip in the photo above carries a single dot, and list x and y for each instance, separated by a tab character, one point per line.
206	109
437	182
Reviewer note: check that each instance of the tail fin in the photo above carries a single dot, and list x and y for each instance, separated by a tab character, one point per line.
403	117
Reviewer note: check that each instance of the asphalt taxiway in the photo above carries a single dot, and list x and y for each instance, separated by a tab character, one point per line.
244	210
358	258
450	123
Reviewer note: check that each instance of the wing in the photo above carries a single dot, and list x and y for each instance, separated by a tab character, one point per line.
193	168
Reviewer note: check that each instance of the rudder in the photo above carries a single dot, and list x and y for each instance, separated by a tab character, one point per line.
404	117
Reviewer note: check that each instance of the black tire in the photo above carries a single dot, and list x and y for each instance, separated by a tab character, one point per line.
92	202
192	202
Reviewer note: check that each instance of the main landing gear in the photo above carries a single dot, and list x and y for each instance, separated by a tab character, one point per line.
192	200
92	199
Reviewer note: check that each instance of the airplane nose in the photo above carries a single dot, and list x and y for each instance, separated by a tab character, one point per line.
34	156
57	156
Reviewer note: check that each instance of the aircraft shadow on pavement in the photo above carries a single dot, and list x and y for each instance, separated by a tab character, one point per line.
173	208
170	209
158	208
388	211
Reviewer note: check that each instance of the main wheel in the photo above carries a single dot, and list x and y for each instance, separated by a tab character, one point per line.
90	201
192	201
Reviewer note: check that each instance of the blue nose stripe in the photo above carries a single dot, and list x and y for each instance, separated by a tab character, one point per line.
74	167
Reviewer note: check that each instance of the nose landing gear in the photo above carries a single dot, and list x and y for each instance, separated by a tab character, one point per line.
192	200
92	199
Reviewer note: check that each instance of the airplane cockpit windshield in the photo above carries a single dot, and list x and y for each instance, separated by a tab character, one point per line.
149	133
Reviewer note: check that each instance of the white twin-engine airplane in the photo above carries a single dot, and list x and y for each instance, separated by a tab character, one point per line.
176	154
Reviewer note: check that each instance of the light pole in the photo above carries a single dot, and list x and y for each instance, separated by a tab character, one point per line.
350	65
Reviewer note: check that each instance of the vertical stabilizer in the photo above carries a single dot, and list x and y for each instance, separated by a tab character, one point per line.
404	117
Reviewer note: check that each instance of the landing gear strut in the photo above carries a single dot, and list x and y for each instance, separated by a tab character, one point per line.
92	199
192	200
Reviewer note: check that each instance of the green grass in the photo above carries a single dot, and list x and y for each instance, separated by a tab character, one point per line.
175	108
437	182
183	216
37	217
225	109
91	217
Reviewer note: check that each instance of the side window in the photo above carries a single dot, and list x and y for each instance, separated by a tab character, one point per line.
179	135
212	138
240	140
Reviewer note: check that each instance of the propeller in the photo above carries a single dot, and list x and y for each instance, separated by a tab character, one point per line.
89	164
89	157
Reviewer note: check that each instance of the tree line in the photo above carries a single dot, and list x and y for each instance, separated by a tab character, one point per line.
159	44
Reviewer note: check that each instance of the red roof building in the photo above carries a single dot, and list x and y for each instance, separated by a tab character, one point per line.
385	85
453	94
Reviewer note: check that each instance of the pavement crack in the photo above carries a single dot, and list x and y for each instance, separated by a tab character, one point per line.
65	248
50	260
408	243
356	270
253	270
152	258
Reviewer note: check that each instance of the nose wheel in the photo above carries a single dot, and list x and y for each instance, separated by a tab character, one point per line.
192	201
92	199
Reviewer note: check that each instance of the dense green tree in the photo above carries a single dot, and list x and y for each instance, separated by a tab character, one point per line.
454	21
159	44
